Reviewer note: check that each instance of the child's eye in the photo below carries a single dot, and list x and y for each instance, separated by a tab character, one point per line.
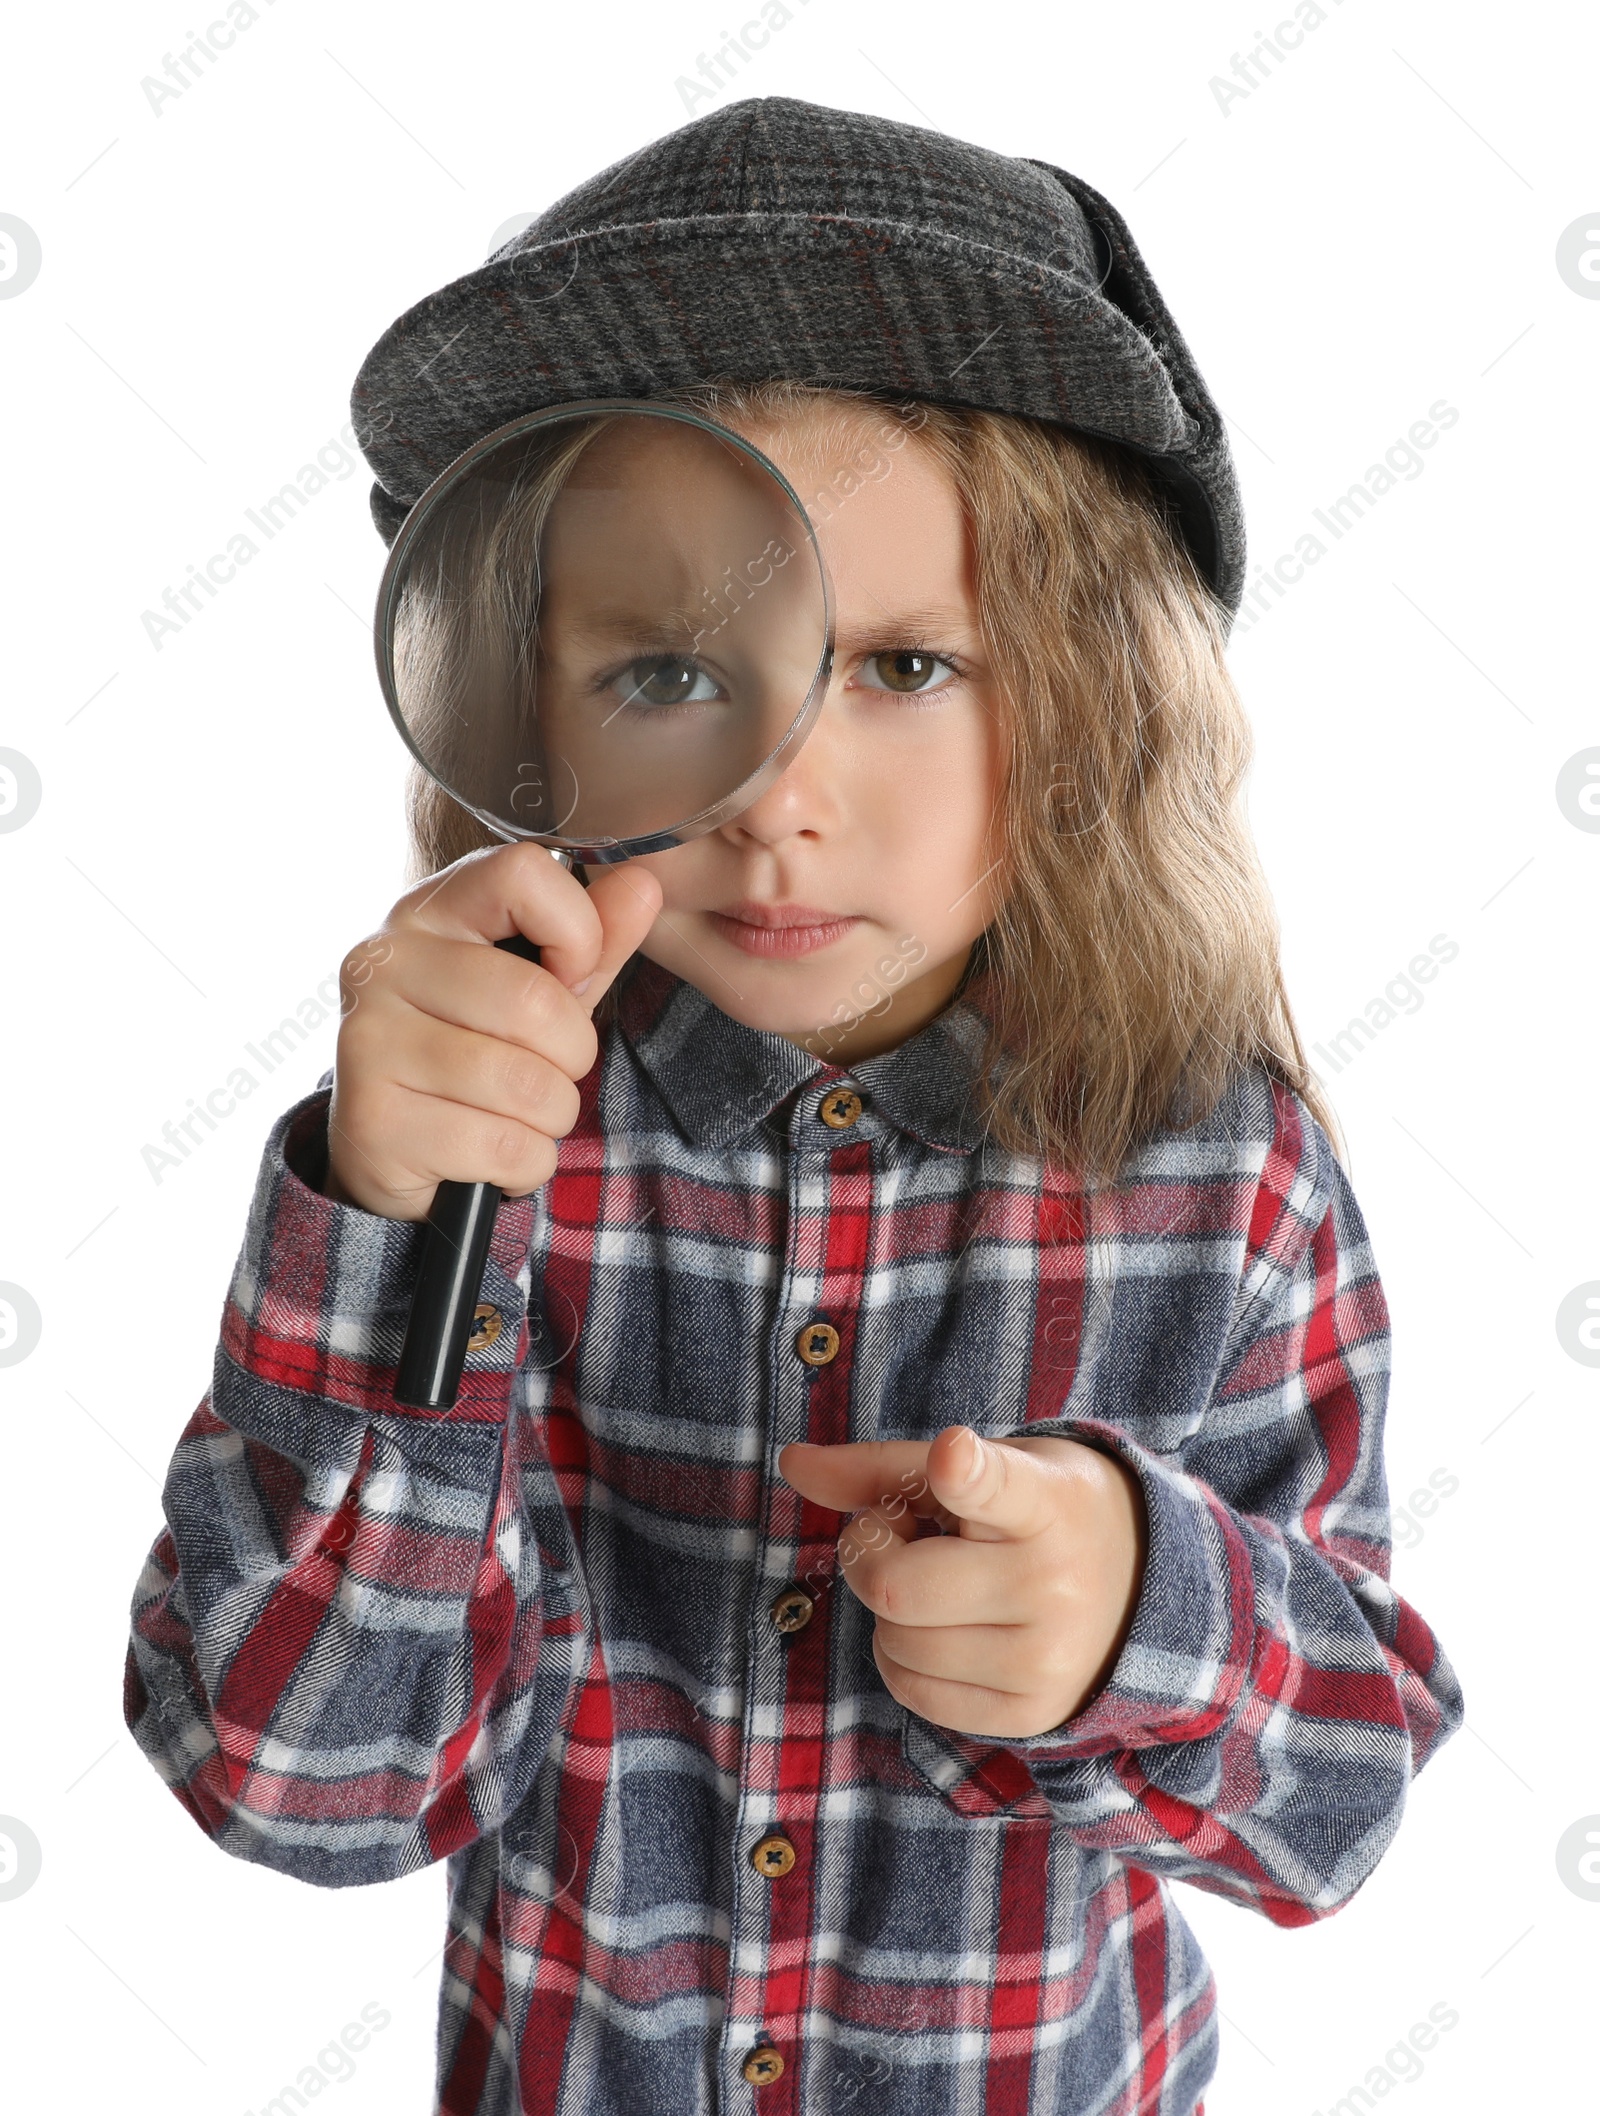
907	670
664	679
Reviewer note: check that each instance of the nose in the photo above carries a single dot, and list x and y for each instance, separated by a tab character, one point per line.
805	801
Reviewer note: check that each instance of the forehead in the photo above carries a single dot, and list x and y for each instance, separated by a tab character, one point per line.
885	508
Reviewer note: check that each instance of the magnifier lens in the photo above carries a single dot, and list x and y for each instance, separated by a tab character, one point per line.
606	627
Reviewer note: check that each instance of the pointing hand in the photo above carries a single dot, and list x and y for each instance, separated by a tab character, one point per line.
1007	1622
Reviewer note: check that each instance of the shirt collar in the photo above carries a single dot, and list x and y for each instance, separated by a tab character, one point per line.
721	1080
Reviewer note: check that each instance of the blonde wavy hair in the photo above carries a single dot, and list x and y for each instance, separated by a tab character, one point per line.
1133	965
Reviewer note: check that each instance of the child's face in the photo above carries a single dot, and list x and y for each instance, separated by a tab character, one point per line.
840	908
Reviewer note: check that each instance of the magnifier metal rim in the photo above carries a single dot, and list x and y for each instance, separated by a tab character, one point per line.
597	851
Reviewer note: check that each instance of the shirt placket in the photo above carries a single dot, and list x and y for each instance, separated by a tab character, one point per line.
783	1770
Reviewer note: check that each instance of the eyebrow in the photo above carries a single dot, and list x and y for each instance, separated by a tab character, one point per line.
665	627
931	622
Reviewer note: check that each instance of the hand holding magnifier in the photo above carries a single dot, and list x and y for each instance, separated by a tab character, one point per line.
606	627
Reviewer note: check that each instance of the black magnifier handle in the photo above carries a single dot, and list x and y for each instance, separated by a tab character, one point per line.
454	1253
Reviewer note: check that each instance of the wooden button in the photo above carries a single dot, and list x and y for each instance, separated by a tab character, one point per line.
762	2066
774	1857
841	1109
486	1326
791	1611
817	1343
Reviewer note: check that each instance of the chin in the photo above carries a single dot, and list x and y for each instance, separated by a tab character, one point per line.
788	997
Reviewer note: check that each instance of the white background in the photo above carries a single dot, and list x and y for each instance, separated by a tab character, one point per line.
1371	229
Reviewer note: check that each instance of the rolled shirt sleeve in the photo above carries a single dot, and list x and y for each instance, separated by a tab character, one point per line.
1273	1695
348	1649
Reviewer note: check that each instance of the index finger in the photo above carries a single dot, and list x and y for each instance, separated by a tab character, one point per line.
887	1478
506	889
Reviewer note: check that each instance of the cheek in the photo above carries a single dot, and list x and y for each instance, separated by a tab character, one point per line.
935	804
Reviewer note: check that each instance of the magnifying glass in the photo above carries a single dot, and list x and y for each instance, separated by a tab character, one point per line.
605	627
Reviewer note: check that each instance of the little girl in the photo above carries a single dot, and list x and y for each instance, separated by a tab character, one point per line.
917	1488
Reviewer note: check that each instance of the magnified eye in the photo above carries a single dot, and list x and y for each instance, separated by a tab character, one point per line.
665	679
906	669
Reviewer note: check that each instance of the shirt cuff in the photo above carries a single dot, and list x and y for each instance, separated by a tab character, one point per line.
321	1291
1186	1660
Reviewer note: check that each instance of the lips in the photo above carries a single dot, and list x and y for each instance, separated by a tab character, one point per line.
780	930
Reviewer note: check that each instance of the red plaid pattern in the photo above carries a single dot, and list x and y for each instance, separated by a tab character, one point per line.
578	1639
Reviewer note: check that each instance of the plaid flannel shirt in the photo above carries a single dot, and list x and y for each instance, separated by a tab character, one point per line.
578	1639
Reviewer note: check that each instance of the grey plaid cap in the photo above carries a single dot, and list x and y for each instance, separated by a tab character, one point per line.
776	238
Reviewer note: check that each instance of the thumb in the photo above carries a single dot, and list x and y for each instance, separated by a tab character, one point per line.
628	901
998	1492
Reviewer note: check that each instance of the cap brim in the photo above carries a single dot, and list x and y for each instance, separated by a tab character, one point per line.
845	303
